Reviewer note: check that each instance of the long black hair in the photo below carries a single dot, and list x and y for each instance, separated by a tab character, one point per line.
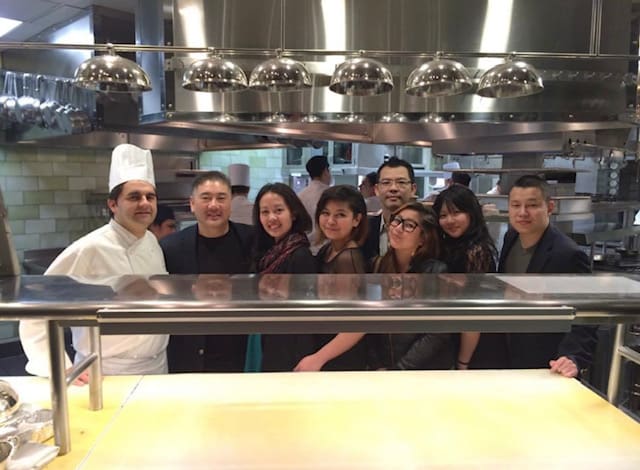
301	221
474	251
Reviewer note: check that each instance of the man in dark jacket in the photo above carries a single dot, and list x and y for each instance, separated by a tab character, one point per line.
396	186
532	245
212	246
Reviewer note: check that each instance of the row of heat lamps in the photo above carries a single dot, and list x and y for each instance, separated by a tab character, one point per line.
357	76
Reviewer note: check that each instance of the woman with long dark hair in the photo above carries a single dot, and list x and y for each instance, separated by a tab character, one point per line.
282	247
467	247
414	247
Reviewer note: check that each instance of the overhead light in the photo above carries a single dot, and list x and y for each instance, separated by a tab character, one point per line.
431	118
214	74
394	117
223	118
439	77
7	25
280	74
361	76
111	73
511	79
276	118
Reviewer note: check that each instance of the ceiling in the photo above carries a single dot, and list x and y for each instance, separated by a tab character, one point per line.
40	15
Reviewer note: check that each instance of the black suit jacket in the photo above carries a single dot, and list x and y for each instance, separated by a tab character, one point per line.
555	254
371	247
210	353
180	253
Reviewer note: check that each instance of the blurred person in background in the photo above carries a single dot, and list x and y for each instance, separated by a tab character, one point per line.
368	190
165	222
241	207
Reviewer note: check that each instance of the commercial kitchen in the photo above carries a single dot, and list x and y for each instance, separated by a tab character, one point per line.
500	88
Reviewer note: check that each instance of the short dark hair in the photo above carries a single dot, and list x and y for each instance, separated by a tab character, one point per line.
533	181
461	178
316	165
114	194
372	177
301	219
395	162
355	201
210	176
164	213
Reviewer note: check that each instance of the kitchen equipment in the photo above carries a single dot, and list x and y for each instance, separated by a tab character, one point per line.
439	77
28	108
361	76
511	79
9	401
214	74
9	99
280	74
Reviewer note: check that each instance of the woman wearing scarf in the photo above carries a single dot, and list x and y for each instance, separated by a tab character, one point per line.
282	248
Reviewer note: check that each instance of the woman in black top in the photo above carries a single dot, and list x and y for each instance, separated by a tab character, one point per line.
468	248
282	248
414	248
341	218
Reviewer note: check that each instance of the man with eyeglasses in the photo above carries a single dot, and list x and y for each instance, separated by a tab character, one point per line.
396	186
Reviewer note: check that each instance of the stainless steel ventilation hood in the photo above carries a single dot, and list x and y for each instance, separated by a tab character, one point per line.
586	98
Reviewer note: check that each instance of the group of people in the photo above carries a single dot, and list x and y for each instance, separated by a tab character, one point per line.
404	237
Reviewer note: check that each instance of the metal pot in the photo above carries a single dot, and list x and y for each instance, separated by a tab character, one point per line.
28	109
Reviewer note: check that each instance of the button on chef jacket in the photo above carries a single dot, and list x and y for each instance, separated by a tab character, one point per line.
100	257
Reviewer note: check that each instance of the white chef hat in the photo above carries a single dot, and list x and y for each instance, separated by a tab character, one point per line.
238	174
450	166
129	162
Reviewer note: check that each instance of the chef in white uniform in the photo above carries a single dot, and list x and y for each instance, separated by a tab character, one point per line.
124	246
241	207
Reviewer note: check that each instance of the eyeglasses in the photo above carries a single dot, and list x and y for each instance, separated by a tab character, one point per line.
398	183
407	225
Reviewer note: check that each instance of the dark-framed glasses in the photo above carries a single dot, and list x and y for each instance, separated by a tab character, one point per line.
407	225
401	183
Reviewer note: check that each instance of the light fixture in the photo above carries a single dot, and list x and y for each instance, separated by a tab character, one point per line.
511	79
432	118
361	76
439	77
7	25
214	74
354	119
276	118
111	73
280	74
394	117
223	118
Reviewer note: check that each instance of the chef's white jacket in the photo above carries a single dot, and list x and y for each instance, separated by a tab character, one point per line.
99	258
310	197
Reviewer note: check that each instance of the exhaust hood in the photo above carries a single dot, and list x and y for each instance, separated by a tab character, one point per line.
589	79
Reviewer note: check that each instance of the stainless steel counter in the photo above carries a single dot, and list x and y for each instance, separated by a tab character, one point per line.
319	303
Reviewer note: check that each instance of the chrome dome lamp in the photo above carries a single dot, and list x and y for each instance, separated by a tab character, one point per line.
215	75
280	74
439	77
511	79
111	73
361	76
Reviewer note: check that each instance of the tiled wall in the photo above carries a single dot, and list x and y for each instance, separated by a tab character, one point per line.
266	165
53	196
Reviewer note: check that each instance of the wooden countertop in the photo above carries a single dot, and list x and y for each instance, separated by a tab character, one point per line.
434	419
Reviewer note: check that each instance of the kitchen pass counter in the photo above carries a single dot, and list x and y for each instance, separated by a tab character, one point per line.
382	420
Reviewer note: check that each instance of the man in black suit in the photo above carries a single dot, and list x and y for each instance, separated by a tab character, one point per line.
532	245
214	245
395	187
